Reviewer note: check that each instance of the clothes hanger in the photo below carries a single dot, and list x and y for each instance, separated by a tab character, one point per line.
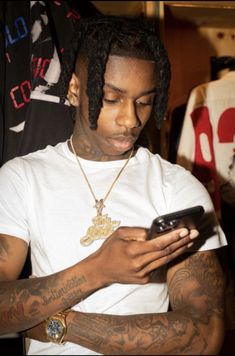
219	63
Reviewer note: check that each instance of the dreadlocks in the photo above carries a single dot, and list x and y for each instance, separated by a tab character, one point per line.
95	38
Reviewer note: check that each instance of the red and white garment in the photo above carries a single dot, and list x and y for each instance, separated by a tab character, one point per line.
207	140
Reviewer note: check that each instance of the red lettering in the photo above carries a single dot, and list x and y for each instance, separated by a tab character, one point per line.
8	57
12	95
226	126
39	66
36	66
22	92
74	14
205	171
25	89
45	64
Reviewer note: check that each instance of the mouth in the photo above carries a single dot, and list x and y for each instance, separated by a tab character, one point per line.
122	143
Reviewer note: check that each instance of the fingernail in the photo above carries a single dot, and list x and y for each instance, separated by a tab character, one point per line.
183	233
190	244
193	234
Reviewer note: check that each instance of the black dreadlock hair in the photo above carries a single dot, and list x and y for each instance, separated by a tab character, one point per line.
97	37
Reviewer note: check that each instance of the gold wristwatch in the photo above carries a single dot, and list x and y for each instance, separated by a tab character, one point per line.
56	327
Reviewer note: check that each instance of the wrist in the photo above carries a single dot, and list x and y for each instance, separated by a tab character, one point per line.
70	321
94	272
56	327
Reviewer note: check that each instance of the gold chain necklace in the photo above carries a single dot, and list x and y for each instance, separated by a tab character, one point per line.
102	226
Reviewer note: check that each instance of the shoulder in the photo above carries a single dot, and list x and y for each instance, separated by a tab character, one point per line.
179	187
170	172
31	159
161	165
177	183
147	157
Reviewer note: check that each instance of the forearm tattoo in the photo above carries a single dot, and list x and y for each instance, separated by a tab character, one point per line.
27	301
196	294
200	281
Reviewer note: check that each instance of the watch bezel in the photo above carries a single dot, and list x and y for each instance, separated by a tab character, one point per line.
57	337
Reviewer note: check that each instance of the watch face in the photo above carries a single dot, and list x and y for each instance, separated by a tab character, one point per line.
55	329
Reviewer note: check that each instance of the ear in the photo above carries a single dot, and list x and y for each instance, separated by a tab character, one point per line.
73	92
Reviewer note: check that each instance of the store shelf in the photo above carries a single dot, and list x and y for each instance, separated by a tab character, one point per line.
132	8
203	13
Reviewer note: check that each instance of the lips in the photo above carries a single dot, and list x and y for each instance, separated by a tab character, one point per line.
122	143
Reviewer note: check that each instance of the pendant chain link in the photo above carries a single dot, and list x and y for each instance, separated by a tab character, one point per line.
101	201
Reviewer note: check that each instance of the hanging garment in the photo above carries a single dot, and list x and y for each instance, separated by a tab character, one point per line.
33	37
207	140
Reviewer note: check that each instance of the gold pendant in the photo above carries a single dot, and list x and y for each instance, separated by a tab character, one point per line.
102	226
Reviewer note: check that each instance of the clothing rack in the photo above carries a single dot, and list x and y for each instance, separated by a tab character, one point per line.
219	63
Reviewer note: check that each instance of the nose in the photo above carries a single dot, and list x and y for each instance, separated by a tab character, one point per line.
127	116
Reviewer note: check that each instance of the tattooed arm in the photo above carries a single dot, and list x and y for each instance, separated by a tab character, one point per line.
194	326
196	287
27	302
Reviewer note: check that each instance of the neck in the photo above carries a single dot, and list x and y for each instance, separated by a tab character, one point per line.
85	150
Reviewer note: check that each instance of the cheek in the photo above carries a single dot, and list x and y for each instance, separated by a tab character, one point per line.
107	110
108	116
144	113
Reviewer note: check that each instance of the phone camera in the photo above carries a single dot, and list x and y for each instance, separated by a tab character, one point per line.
172	224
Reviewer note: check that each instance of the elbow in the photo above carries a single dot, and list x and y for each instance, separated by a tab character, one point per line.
215	337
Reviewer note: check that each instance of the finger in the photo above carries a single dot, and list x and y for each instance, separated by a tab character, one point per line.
132	233
145	271
182	232
169	252
157	244
183	241
161	246
172	237
194	234
165	259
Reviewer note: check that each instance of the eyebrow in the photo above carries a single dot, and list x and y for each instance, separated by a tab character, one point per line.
122	91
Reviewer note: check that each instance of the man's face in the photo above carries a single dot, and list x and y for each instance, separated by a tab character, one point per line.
128	97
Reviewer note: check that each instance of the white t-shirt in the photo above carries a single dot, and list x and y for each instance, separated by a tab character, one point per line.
45	201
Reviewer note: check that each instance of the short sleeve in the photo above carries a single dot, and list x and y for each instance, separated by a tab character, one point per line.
13	200
188	191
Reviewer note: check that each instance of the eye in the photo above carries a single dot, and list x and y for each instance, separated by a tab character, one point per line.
110	101
142	103
147	100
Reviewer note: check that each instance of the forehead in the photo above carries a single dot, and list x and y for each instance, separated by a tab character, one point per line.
140	72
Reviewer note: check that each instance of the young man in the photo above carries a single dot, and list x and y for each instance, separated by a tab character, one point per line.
85	206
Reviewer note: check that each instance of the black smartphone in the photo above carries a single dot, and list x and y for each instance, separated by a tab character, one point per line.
188	218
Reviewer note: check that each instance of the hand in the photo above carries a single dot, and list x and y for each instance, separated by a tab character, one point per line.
127	257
